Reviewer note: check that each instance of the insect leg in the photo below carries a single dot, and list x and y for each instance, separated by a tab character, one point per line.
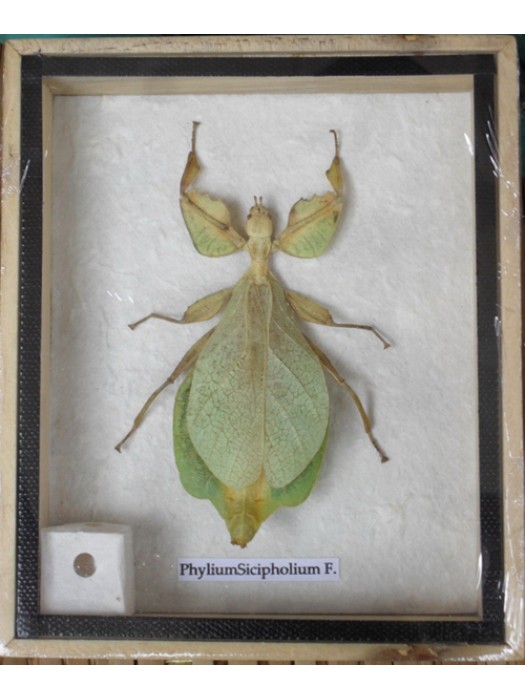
334	173
192	166
312	222
367	424
184	365
202	310
311	311
207	219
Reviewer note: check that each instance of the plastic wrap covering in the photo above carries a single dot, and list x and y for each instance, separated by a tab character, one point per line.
416	559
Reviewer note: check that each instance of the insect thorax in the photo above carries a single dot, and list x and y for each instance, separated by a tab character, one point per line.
259	228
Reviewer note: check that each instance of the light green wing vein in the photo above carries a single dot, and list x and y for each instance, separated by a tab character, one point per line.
195	476
297	398
226	406
258	400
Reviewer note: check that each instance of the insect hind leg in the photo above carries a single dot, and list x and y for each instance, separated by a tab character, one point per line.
365	419
311	311
184	365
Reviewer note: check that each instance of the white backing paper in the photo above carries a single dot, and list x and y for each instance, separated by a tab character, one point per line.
405	532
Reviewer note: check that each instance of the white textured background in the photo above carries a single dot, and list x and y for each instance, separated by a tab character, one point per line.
403	259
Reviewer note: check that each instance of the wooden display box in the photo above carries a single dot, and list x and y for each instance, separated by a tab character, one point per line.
450	301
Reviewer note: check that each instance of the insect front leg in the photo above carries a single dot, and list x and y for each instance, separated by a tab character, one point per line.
202	310
365	419
207	219
184	365
311	311
312	222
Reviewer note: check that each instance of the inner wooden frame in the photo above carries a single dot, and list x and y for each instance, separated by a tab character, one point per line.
508	237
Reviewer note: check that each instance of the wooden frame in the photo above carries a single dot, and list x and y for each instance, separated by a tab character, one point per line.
503	52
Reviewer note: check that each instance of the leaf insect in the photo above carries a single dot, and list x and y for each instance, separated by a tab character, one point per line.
251	417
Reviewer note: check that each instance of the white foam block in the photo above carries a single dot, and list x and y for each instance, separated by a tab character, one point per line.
87	569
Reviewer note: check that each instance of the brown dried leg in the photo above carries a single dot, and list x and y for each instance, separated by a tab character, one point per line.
309	310
184	365
202	310
342	382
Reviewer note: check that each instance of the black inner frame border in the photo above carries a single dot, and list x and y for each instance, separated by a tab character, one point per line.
30	624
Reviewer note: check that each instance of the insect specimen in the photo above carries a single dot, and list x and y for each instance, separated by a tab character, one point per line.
251	417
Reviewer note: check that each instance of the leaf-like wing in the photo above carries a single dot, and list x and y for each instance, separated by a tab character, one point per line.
258	402
297	404
194	475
